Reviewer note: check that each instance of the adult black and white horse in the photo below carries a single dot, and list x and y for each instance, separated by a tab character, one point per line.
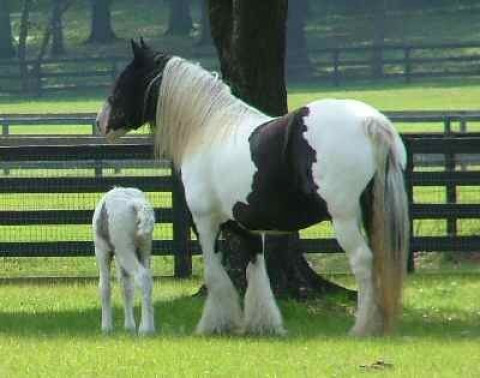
331	159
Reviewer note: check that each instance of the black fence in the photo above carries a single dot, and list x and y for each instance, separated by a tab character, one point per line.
336	65
406	62
49	187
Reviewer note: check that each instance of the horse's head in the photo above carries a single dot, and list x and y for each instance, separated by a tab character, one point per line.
128	106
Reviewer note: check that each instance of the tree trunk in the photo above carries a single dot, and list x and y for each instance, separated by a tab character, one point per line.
298	63
379	14
250	39
101	25
22	45
6	40
179	20
58	47
205	32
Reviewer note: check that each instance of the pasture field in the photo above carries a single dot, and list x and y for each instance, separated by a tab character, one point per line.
426	95
54	331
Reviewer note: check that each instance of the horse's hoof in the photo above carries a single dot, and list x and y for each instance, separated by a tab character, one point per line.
107	330
265	331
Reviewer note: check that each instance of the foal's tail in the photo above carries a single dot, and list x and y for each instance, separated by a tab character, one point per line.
145	218
388	229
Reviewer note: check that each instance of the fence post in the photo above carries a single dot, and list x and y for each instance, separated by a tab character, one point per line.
450	188
5	129
409	189
181	229
377	61
336	68
408	64
114	69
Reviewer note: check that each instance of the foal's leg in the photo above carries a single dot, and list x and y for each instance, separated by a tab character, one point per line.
261	312
368	318
131	265
144	279
128	292
221	312
104	258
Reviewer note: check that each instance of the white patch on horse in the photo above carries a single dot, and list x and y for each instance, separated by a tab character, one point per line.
262	315
351	147
123	224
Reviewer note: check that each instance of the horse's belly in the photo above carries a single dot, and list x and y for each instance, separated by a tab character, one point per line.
280	211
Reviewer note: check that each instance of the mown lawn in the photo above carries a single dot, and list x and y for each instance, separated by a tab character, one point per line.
425	95
53	331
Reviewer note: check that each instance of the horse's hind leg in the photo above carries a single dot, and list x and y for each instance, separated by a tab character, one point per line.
262	315
221	312
350	238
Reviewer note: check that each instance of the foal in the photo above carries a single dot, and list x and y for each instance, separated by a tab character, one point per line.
123	224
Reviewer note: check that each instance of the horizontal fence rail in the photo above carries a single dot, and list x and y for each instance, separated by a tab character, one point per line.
334	64
446	118
78	165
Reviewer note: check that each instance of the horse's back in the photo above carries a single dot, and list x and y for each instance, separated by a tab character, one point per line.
338	131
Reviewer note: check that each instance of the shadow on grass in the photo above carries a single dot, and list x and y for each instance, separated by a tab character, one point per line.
172	317
178	317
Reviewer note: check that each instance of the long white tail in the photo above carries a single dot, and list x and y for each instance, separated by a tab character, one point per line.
389	228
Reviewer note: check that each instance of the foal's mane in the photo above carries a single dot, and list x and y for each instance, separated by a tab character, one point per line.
194	110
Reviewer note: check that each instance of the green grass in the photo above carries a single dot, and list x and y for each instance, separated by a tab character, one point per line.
435	95
53	331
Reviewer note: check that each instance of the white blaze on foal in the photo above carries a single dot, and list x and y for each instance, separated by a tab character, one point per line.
123	224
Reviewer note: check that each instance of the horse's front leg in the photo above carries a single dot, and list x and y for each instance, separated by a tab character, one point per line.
262	315
222	312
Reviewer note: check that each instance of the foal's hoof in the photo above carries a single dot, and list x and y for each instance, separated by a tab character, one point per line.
218	329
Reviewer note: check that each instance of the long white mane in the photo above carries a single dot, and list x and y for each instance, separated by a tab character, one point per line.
195	109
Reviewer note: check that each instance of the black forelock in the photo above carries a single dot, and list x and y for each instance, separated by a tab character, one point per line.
129	109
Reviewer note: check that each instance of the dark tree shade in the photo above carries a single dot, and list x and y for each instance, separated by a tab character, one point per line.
179	19
379	14
6	41
298	63
250	39
101	26
205	32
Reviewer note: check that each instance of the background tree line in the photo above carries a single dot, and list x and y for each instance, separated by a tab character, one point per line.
182	22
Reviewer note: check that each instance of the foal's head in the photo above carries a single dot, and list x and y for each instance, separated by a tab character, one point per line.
132	101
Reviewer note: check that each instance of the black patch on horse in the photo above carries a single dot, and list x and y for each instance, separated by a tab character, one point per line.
284	196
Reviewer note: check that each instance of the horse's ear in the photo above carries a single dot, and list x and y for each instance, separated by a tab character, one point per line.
136	49
143	44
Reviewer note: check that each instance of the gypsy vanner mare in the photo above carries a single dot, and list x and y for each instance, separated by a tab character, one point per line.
331	159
